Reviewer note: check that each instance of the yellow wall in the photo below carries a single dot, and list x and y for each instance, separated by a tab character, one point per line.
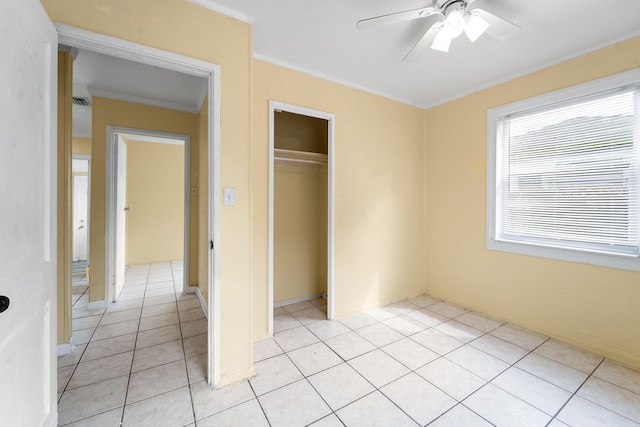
593	307
124	114
379	255
81	145
155	197
208	36
300	233
393	162
65	87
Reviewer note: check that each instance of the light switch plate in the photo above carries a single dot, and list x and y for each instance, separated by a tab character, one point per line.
229	197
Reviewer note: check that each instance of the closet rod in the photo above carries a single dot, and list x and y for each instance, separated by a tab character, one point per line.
288	159
285	157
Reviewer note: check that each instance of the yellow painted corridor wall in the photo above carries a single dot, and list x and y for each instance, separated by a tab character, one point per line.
124	114
155	197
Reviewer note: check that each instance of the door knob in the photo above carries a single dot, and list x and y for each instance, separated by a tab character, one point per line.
4	303
81	227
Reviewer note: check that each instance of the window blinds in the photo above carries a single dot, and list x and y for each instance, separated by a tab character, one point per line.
570	174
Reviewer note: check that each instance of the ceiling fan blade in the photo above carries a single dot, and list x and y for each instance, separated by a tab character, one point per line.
499	27
393	18
425	40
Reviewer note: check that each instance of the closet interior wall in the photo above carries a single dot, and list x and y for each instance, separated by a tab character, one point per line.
300	207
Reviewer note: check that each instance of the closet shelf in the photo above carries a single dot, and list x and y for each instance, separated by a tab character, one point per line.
283	158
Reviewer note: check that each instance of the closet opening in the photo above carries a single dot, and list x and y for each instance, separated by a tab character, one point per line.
300	209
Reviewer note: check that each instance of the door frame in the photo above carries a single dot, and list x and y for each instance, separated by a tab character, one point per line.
86	157
330	118
111	229
111	46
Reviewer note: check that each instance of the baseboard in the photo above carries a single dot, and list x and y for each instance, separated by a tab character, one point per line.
96	305
295	300
65	348
203	304
236	377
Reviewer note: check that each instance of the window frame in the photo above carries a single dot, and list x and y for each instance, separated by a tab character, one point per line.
494	194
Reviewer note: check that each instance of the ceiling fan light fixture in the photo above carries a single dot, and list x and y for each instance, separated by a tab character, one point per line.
454	22
474	27
442	41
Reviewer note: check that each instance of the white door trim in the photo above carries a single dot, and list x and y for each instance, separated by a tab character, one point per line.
76	37
331	118
112	169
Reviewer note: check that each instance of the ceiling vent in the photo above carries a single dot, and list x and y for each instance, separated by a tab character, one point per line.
80	101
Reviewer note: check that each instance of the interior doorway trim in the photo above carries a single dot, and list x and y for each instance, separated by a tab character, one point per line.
100	43
112	170
330	118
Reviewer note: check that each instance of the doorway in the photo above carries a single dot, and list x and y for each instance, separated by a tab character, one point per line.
148	181
80	187
301	177
80	167
122	49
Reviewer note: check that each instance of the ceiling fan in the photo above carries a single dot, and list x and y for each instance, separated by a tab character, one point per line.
456	17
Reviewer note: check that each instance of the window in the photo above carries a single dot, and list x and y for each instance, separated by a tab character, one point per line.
563	174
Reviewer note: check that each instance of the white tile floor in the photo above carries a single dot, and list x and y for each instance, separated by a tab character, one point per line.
417	362
139	361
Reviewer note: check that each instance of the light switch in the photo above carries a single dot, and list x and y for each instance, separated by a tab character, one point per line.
229	196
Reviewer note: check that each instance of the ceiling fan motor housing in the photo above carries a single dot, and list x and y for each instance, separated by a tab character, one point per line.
445	4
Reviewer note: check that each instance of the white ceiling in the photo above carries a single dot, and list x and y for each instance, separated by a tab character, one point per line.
95	74
320	37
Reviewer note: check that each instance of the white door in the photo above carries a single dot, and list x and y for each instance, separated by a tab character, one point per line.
80	211
28	84
121	200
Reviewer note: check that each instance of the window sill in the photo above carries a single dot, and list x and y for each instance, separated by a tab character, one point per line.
622	262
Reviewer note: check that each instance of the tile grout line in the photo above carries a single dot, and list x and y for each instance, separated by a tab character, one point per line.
79	361
133	356
461	402
75	366
84	350
184	352
440	356
527	351
378	389
255	395
304	377
512	365
323	370
130	370
576	392
346	361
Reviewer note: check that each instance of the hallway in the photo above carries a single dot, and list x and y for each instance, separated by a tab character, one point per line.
134	361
